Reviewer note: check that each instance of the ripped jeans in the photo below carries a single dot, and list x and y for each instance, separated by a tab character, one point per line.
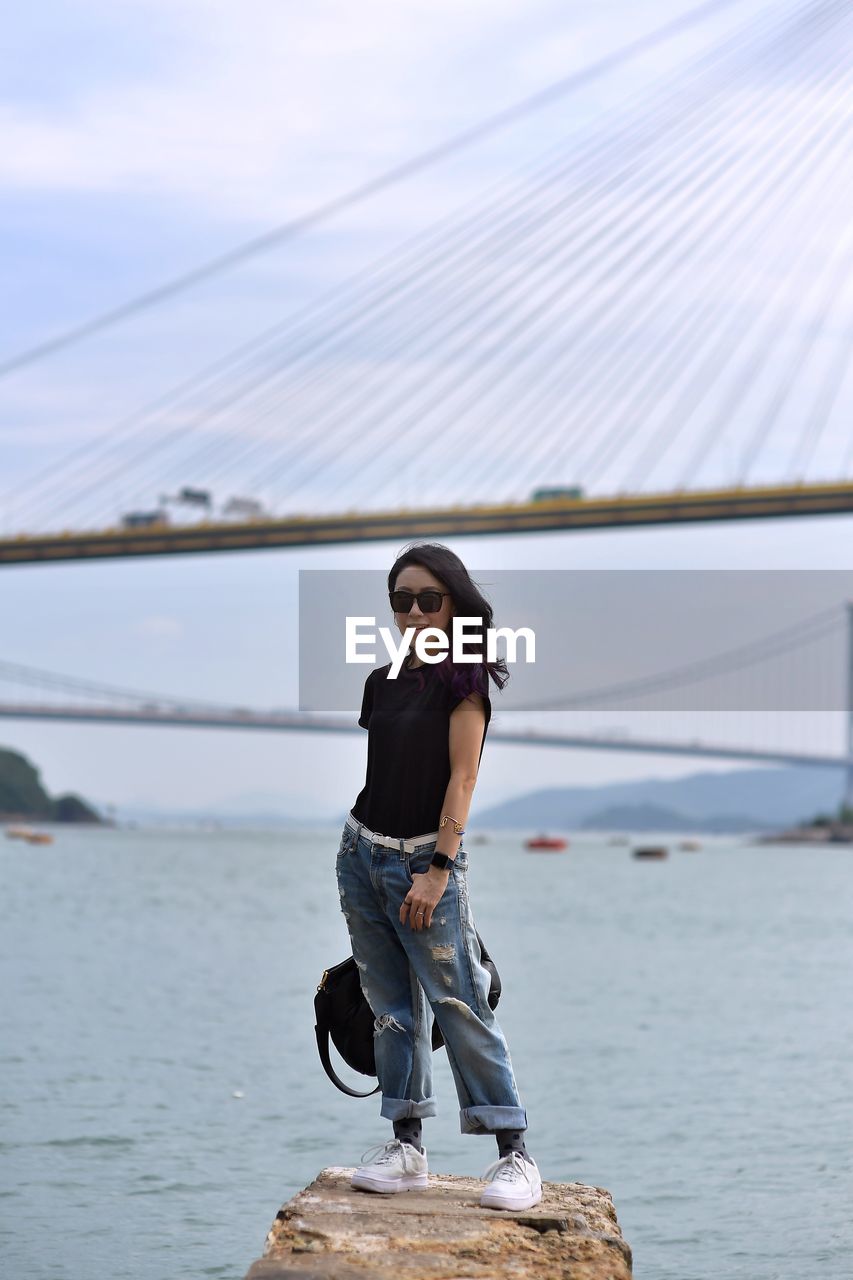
402	969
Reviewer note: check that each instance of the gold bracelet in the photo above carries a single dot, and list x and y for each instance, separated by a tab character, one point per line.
457	826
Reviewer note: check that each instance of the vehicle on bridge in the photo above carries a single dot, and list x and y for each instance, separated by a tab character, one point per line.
555	495
195	497
189	497
144	519
246	508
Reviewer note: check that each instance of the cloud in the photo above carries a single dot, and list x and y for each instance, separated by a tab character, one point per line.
259	111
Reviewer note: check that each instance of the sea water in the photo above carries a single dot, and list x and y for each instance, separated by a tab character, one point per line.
681	1034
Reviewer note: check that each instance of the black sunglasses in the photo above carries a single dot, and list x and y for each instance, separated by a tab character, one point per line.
428	601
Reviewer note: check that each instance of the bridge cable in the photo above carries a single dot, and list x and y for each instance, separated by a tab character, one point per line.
63	478
288	230
684	325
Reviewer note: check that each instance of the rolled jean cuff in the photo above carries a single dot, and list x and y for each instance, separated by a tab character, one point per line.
405	1109
490	1119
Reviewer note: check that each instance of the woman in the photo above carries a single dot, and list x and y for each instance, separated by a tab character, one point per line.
401	871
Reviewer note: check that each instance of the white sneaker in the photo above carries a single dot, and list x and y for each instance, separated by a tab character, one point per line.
398	1166
514	1183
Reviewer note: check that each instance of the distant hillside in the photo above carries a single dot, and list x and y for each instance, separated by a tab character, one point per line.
23	796
737	800
655	817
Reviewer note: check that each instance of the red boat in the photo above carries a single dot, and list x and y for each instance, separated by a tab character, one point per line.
546	842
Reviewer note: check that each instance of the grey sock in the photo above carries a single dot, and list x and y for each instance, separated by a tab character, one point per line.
409	1130
511	1140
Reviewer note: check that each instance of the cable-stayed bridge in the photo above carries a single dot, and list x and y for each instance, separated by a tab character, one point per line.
648	323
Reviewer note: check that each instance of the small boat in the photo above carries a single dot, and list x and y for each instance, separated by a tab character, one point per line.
651	851
480	839
546	842
27	833
689	846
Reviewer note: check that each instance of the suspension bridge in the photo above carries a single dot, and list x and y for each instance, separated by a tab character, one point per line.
60	698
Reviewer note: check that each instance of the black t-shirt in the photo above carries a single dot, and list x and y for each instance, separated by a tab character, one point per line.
408	752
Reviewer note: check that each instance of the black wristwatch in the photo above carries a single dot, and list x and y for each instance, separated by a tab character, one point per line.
442	861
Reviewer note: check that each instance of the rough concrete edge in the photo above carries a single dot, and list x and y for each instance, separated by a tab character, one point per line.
539	1219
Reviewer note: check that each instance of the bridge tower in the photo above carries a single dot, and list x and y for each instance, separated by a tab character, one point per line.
848	777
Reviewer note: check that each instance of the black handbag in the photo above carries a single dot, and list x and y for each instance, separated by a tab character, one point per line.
342	1013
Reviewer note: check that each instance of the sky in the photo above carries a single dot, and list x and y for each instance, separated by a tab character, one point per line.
142	140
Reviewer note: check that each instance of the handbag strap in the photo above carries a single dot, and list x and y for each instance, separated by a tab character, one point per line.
321	1028
323	1046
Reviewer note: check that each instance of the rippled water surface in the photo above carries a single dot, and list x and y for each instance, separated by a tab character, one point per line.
681	1034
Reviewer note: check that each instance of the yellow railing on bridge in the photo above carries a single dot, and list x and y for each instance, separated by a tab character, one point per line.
548	516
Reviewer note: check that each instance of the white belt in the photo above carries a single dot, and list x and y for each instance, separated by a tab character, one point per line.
388	842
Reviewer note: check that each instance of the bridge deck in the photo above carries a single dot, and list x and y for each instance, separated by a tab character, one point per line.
562	515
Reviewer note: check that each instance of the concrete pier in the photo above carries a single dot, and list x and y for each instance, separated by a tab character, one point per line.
330	1232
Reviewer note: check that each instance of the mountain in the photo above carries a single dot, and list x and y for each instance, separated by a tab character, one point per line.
654	817
23	796
737	800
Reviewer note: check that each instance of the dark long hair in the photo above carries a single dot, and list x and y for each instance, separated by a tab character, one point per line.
468	602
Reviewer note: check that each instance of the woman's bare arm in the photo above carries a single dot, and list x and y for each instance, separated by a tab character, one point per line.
467	725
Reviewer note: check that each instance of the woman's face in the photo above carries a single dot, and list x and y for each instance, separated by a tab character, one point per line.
414	577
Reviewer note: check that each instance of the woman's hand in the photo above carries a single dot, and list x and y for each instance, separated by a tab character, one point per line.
424	896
